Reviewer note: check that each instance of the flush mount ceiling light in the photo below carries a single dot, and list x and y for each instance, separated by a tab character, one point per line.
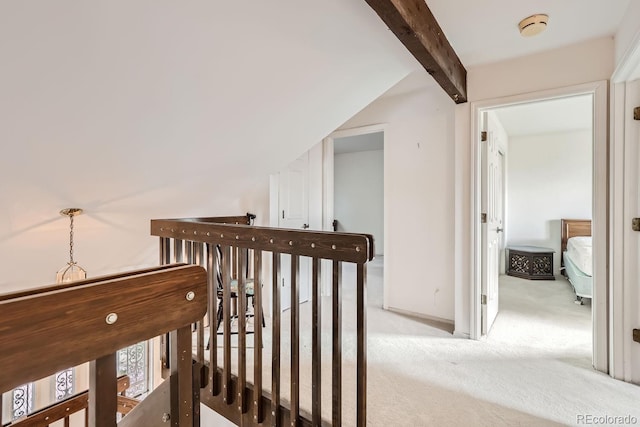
533	25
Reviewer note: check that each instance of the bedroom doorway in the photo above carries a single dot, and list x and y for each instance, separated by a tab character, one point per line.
553	173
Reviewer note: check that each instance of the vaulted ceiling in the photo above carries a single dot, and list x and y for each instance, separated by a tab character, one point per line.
141	109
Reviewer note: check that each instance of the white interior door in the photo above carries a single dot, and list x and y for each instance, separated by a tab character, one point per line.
492	223
293	202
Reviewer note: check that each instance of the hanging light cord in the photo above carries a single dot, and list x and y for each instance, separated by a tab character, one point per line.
71	241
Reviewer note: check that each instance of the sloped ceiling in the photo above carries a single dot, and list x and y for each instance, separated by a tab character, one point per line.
141	109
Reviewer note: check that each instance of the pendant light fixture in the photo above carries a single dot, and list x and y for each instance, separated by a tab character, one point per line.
72	271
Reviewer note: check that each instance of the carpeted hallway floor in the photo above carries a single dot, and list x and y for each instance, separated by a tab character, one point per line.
532	370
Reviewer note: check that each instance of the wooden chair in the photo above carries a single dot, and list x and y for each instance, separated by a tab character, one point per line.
234	296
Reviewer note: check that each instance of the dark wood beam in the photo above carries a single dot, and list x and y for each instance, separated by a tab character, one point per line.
416	27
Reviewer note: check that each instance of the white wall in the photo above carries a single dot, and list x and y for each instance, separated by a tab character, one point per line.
549	178
585	62
419	203
359	194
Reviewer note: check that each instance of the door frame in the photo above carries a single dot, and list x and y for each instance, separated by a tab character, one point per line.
625	247
600	206
328	195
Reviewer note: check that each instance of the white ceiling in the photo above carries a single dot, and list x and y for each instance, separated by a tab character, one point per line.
558	115
487	31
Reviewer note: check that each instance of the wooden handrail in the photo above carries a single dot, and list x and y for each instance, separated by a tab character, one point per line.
50	288
345	247
48	331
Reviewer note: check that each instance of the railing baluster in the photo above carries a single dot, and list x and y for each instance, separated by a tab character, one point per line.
178	254
188	248
361	308
212	263
165	258
337	345
316	348
234	273
295	340
165	342
198	259
103	389
226	320
165	250
177	257
275	352
198	254
241	299
257	337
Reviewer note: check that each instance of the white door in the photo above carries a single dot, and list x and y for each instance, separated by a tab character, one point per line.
293	203
492	223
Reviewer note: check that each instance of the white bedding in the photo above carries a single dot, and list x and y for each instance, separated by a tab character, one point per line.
579	250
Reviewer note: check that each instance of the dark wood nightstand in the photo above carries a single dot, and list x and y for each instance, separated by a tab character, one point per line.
530	262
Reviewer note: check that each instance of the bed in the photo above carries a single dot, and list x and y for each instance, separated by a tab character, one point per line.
576	258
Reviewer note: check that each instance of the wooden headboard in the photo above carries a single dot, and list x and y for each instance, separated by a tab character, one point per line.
573	228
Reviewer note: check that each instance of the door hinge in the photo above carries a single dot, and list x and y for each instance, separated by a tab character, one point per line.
636	335
483	136
483	218
635	224
483	300
636	113
282	213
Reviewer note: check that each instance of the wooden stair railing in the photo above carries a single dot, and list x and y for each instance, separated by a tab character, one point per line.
50	329
240	396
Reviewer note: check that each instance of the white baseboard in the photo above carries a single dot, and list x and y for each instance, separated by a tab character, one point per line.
463	335
444	322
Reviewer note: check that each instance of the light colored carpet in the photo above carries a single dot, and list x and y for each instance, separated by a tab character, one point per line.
533	370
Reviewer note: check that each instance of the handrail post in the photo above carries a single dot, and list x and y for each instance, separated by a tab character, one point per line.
103	388
181	377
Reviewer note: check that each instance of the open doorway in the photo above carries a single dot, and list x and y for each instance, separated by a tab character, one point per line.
542	189
353	198
544	171
358	176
